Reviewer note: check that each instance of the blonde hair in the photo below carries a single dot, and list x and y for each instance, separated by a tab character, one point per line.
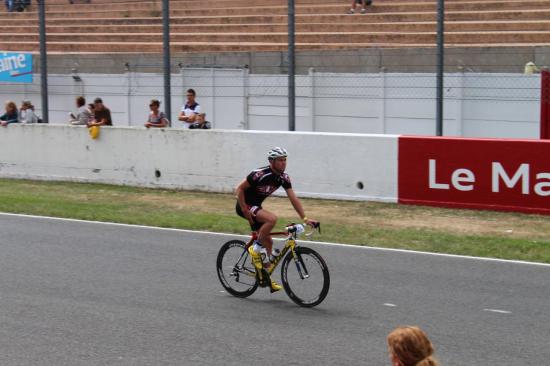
411	346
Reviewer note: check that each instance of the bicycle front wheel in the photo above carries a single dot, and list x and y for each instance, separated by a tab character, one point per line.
235	270
305	277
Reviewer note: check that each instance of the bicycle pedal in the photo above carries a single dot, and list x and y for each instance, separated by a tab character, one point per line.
264	280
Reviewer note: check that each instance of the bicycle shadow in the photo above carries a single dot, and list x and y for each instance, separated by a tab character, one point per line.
282	307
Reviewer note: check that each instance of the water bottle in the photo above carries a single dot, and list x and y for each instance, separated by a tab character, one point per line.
263	253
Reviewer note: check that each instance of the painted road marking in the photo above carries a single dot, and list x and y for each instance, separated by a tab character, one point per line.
389	305
350	246
498	311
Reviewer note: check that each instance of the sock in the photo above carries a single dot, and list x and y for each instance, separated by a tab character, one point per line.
257	246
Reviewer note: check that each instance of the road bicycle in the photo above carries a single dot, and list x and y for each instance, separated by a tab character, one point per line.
304	273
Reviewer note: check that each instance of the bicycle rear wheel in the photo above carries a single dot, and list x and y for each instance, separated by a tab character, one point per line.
235	270
305	278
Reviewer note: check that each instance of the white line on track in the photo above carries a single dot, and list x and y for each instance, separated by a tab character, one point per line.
390	305
498	311
350	246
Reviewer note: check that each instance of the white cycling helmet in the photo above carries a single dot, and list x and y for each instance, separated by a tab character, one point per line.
276	152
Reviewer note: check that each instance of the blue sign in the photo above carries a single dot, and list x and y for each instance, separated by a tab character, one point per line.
15	67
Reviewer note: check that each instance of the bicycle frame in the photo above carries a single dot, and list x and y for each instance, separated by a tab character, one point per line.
290	244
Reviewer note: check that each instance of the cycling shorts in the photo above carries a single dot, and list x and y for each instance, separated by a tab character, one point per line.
254	210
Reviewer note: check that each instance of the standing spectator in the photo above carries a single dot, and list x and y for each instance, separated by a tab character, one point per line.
156	117
102	114
190	110
11	115
9	5
26	113
410	346
83	115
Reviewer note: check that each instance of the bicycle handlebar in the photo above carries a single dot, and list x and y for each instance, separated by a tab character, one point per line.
297	229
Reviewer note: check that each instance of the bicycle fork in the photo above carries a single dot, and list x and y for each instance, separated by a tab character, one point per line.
300	265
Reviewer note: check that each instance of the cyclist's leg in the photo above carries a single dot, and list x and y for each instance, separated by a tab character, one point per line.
268	221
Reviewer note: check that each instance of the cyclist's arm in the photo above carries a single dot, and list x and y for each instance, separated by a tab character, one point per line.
296	203
239	193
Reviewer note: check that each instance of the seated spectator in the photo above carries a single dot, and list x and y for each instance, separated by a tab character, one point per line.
83	115
11	115
363	3
21	5
102	114
26	113
156	117
410	346
201	123
190	110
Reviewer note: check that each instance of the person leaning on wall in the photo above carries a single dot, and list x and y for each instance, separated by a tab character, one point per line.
156	117
410	346
102	114
11	115
83	114
26	113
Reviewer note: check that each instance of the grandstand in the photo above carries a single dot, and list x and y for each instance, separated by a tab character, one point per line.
107	26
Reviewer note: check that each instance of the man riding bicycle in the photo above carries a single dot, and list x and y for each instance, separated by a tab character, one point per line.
252	191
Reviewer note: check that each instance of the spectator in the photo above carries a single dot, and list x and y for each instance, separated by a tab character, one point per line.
91	108
26	113
83	115
11	115
156	117
190	110
9	5
102	114
20	5
201	123
363	3
410	346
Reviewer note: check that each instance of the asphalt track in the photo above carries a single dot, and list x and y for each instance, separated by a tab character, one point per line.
77	293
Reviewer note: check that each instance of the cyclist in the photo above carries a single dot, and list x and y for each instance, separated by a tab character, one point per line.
252	191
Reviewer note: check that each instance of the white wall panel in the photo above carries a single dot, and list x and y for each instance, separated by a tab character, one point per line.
320	164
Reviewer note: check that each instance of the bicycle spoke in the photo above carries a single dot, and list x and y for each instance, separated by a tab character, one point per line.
307	280
235	273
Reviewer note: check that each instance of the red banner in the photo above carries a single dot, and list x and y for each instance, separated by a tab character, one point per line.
510	175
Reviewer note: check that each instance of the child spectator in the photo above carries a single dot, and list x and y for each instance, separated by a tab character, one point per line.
91	109
11	115
26	113
410	346
82	115
156	117
201	123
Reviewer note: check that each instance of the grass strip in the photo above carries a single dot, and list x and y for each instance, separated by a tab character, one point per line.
465	232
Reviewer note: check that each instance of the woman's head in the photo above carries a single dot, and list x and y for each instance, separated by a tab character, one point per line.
11	107
26	104
154	104
410	346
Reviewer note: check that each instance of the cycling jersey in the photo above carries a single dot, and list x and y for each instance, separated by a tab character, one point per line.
263	182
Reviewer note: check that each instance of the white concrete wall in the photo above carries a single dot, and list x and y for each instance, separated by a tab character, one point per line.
320	164
476	104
